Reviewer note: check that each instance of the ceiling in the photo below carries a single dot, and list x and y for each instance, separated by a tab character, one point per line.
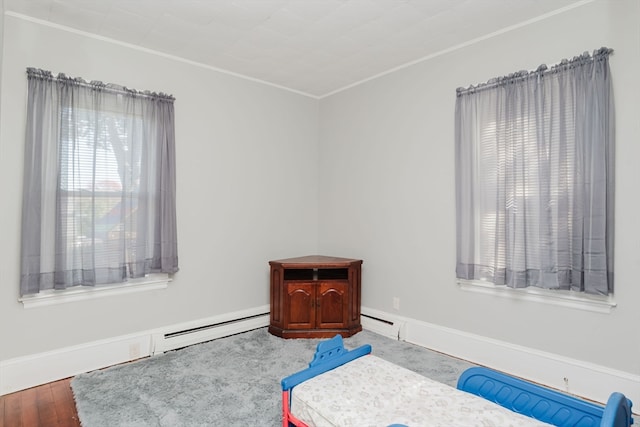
314	47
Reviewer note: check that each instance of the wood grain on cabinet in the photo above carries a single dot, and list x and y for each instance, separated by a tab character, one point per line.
315	296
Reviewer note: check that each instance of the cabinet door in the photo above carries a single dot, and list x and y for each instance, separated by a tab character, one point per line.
332	304
299	308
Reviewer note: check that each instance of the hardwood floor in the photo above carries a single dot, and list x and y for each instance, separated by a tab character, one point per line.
48	405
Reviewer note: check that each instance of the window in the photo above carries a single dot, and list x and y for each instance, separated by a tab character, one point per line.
534	178
99	185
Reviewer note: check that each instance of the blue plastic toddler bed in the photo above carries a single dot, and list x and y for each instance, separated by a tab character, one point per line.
345	388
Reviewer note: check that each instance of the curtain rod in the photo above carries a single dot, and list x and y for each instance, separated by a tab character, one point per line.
598	55
36	73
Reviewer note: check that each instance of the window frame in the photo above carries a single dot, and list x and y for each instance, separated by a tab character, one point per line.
560	297
151	282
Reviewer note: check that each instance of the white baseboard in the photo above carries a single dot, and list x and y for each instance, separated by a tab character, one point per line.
583	379
29	371
577	377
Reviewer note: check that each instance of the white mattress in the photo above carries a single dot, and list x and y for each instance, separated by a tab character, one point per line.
370	391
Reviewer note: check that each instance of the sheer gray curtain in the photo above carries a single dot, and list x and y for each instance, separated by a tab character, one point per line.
99	184
534	178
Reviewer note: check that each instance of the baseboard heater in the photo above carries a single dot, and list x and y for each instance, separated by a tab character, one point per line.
388	328
207	331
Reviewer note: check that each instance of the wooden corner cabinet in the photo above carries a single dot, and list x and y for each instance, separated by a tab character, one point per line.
315	296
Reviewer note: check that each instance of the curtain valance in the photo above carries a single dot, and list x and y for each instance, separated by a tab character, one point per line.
542	70
36	73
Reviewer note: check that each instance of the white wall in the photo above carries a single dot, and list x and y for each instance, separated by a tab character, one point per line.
246	182
1	38
387	187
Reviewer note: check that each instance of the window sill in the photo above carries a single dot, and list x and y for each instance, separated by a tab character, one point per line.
80	293
579	301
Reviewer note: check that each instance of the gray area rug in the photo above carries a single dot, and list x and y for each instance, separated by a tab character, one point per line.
233	381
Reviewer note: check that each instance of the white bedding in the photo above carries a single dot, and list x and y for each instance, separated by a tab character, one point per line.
370	391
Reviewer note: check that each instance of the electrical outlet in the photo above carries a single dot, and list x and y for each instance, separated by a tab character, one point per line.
396	303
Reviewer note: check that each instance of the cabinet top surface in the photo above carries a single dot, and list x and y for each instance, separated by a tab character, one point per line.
315	260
